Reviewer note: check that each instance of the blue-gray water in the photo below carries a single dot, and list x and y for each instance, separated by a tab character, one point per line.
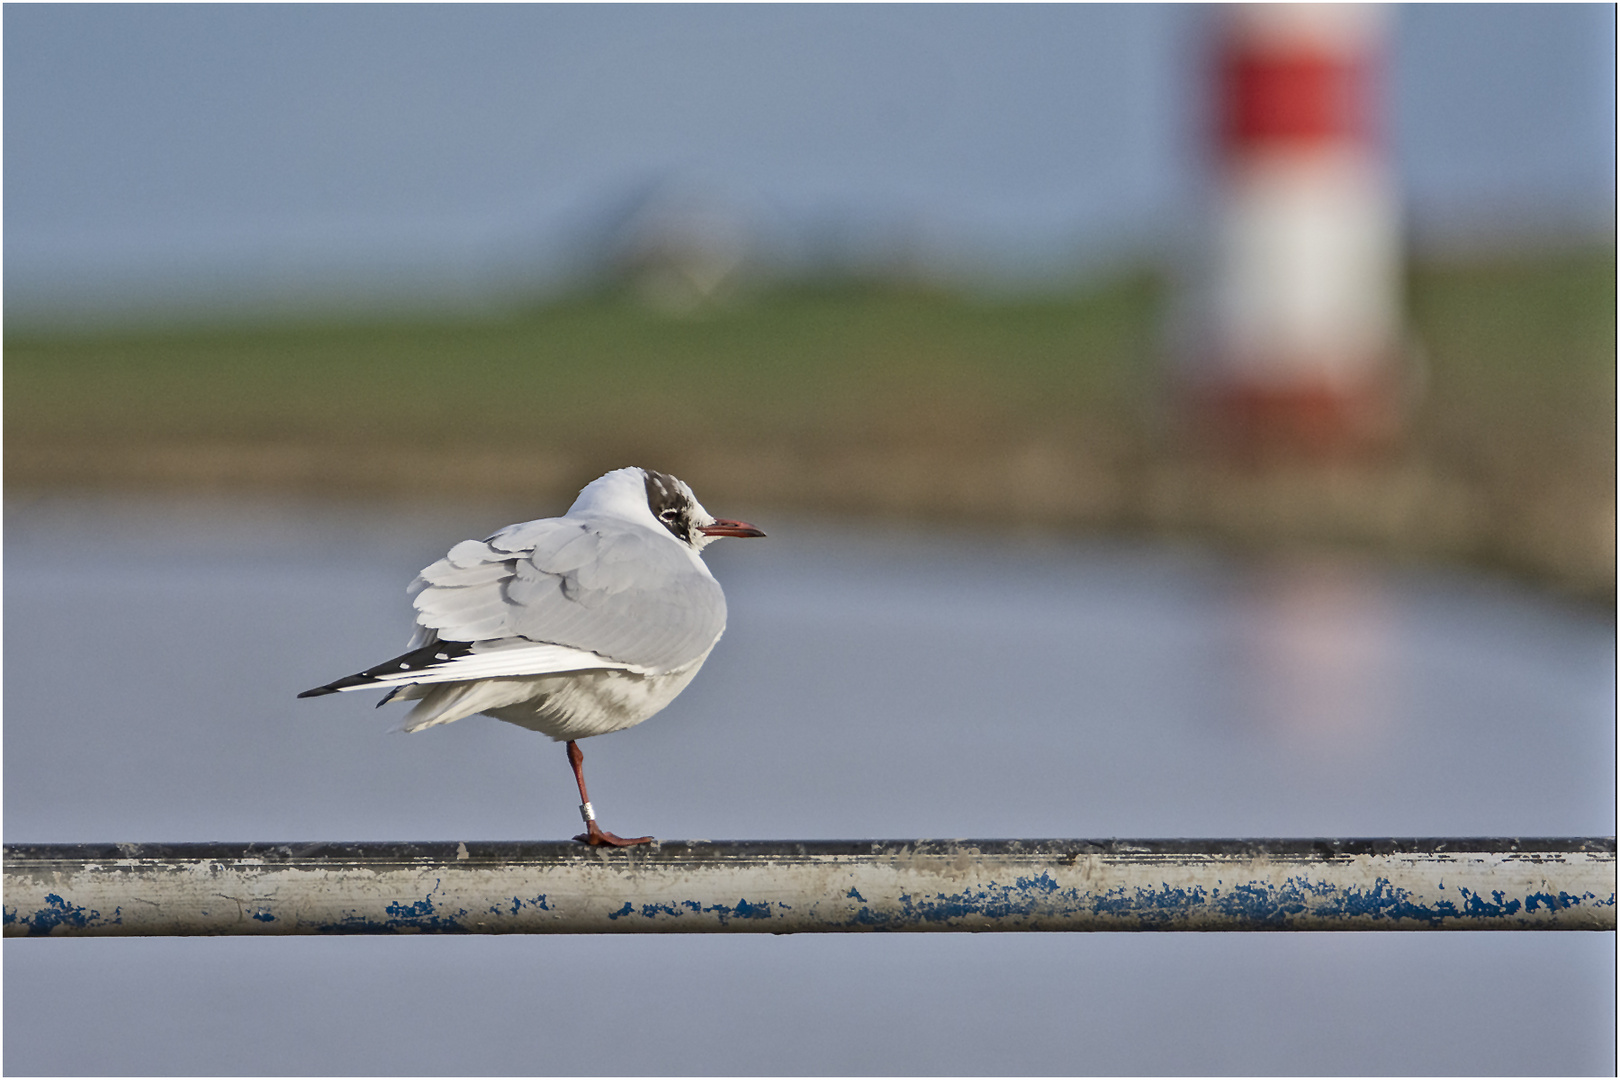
873	683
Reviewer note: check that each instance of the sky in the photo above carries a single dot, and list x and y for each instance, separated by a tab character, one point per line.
220	152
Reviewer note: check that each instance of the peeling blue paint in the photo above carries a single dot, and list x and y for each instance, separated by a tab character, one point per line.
58	912
1477	906
1258	902
1273	905
518	904
742	909
422	915
417	910
652	911
264	916
867	917
1023	897
1559	902
745	910
419	915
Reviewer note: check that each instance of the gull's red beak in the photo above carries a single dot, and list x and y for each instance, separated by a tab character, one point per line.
726	527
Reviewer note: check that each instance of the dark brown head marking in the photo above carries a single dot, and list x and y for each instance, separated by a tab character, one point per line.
670	504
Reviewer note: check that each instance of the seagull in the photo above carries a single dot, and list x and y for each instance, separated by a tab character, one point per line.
571	626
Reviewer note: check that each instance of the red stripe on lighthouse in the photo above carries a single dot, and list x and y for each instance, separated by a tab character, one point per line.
1302	97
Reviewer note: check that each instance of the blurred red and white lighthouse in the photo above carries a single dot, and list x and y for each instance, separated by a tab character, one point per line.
1298	339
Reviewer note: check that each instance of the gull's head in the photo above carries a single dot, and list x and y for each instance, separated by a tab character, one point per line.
643	494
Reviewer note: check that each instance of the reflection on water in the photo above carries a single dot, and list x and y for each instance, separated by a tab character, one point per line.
1317	658
873	682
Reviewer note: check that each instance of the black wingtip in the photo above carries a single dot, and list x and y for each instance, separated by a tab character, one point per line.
348	682
427	656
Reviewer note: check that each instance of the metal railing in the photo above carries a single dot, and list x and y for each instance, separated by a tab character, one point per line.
809	887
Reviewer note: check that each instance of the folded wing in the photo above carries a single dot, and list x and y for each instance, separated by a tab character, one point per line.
629	595
559	594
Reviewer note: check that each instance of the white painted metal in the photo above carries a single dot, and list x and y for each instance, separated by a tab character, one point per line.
811	887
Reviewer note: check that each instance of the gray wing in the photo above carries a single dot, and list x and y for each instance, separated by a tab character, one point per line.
611	588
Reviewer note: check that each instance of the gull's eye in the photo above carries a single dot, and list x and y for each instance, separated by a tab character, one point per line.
670	516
